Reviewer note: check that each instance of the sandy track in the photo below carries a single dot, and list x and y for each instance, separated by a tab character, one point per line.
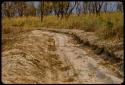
47	57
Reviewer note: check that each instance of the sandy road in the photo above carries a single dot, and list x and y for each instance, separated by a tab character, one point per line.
85	66
47	57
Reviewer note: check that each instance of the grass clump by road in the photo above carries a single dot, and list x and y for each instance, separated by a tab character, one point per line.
106	26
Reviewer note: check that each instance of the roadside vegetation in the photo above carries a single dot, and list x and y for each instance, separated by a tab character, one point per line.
89	16
106	26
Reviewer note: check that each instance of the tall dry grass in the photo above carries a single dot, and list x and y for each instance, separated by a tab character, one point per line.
106	26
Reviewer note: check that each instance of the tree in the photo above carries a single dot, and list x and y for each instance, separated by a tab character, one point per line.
78	8
85	7
30	10
70	8
98	6
120	6
63	8
8	9
105	7
42	9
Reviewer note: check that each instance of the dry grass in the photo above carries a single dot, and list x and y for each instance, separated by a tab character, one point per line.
106	26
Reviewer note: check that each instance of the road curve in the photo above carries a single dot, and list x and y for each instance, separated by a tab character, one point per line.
47	57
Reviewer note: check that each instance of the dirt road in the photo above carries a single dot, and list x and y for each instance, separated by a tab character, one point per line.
46	57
